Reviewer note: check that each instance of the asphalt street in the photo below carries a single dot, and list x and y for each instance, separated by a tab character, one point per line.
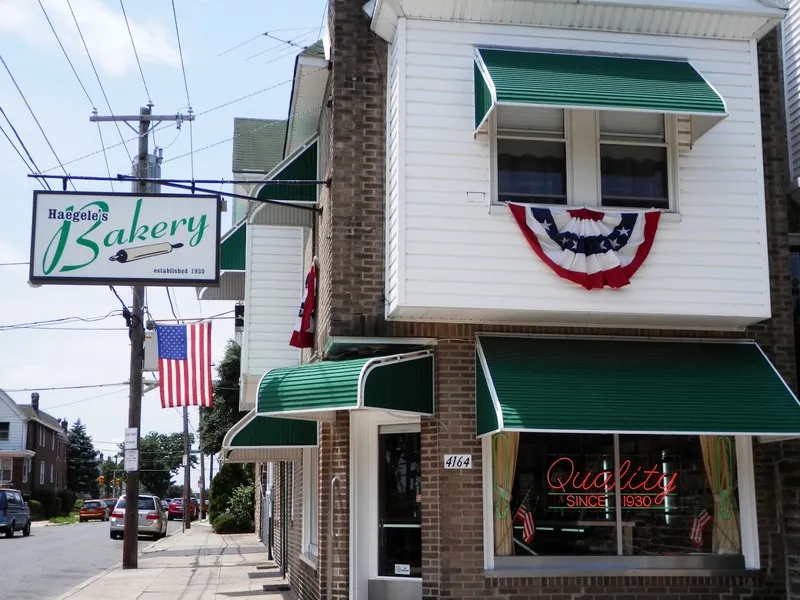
53	560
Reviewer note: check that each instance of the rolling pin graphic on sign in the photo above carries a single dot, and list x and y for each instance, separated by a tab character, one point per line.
140	252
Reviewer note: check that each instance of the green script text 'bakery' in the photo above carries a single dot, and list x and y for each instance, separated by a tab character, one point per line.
97	212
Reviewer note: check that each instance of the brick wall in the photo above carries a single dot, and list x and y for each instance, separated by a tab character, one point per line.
46	454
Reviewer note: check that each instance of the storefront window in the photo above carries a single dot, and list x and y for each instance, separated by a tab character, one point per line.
556	495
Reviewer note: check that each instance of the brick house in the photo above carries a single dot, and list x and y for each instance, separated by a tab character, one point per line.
33	446
460	372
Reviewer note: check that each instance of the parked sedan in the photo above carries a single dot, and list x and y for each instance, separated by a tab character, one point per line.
152	520
93	510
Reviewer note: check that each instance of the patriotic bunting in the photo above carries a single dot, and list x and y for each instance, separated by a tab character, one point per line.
303	334
591	248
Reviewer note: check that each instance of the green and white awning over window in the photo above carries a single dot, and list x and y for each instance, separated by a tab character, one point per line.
604	386
525	78
261	439
401	383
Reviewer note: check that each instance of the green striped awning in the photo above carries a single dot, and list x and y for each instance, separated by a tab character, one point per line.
260	439
233	248
605	386
506	77
301	165
402	382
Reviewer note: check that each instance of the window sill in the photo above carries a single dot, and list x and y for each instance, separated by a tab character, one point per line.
309	559
533	573
667	216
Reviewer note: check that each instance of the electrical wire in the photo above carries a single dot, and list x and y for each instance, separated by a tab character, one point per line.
185	87
293	43
97	76
260	35
135	53
61	320
205	112
63	387
171	306
14	264
24	147
35	118
24	160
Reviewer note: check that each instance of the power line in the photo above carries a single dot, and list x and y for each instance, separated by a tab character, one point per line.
21	143
97	76
13	264
185	87
171	306
61	320
205	112
35	118
64	387
135	53
260	35
24	160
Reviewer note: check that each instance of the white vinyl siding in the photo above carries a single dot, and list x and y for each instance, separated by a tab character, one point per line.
273	292
790	30
459	260
17	427
394	169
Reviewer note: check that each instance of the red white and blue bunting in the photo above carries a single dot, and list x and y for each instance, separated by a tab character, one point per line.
591	248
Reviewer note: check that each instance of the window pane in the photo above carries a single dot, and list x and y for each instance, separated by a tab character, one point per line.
618	124
634	176
531	171
563	477
679	495
549	121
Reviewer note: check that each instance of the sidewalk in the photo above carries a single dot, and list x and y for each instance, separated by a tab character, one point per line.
194	565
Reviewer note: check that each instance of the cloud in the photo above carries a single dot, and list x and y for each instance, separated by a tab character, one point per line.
103	29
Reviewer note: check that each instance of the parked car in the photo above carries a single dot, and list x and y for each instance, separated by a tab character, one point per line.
93	509
14	513
176	509
152	519
110	503
165	503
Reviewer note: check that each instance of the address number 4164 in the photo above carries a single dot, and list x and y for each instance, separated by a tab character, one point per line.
457	461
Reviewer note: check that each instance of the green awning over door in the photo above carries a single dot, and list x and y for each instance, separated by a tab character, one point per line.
233	248
508	77
604	386
402	382
259	439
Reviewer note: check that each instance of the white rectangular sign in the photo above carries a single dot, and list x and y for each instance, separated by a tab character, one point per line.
402	569
130	438
131	460
101	239
458	461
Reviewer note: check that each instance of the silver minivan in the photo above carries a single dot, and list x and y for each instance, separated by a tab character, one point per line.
14	513
152	518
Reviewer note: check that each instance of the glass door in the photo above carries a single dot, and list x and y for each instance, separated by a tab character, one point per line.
399	520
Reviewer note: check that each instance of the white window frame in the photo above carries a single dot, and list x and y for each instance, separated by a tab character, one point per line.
51	473
42	469
583	166
7	431
748	522
26	465
40	435
310	536
53	443
10	469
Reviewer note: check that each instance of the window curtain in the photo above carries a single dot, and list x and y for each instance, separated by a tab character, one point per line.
720	464
505	446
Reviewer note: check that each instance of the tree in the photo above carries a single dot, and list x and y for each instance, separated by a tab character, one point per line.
224	413
82	467
160	457
229	477
174	491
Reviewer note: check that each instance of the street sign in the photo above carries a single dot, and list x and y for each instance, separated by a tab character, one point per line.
130	438
131	460
92	238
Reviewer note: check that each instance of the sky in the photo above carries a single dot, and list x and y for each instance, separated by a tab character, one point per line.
98	352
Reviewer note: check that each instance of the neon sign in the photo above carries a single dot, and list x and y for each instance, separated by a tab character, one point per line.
640	488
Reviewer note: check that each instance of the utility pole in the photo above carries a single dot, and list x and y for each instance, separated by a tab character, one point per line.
130	538
187	473
202	484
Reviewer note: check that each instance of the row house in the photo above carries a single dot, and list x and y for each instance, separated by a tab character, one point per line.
33	447
552	351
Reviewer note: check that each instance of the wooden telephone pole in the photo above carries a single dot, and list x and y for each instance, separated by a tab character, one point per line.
130	549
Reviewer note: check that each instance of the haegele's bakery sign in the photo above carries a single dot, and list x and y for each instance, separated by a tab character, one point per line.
99	239
640	487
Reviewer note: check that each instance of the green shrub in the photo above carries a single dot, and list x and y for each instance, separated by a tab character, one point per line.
48	500
37	512
67	499
227	523
229	477
242	504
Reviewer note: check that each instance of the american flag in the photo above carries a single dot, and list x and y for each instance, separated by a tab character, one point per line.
184	364
525	514
701	519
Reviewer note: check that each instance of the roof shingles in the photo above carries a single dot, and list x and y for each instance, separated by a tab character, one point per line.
257	144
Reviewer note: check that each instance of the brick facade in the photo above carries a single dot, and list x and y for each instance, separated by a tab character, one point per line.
349	241
47	455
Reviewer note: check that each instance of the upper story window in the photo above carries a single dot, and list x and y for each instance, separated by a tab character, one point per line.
584	158
5	431
40	432
52	440
634	160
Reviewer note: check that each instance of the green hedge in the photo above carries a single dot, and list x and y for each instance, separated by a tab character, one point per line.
229	477
49	501
227	523
67	502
